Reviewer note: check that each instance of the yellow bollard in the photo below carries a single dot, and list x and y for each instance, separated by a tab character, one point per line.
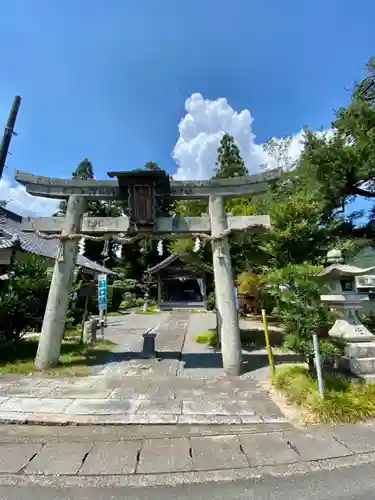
268	346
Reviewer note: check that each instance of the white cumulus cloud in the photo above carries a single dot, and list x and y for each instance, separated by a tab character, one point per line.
19	201
201	129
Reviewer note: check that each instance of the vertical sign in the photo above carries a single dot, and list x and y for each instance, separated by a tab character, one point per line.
102	292
236	298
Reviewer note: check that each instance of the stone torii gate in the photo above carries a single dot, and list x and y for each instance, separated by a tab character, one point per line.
144	193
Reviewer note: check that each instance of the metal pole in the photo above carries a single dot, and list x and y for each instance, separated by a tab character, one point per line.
8	133
268	345
318	366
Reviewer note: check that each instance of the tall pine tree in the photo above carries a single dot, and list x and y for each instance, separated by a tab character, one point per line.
152	165
229	161
94	208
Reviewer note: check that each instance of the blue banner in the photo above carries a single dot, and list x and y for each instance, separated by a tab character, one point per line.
102	292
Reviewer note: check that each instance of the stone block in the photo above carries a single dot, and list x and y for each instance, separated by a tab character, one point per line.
360	350
36	405
15	456
217	452
359	438
101	407
361	366
268	449
112	458
164	455
59	458
316	445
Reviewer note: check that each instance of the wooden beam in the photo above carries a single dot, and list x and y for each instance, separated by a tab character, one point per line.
51	187
178	225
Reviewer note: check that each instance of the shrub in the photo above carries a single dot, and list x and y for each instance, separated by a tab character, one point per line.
209	337
211	302
343	400
115	295
23	296
296	292
139	302
127	304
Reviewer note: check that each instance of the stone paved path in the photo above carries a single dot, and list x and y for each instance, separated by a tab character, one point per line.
184	384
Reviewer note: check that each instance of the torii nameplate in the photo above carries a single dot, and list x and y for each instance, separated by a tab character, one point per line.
179	225
51	187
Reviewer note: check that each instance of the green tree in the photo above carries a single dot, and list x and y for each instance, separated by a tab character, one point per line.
84	170
152	165
94	208
344	158
295	290
23	296
229	161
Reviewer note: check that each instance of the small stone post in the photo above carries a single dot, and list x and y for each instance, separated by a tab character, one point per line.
224	289
145	304
61	284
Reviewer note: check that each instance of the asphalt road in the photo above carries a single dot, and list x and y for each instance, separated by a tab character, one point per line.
356	483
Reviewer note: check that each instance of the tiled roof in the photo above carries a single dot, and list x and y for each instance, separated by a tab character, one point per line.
172	258
364	258
10	227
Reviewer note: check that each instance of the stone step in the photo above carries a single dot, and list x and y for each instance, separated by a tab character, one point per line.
361	366
367	378
360	350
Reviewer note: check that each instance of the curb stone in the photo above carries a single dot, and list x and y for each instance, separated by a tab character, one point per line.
256	473
51	419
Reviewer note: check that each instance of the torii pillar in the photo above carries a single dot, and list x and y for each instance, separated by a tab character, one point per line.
224	289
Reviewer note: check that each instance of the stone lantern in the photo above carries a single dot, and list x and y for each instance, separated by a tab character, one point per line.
344	297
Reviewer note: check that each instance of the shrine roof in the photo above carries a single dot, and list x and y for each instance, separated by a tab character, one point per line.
12	235
172	258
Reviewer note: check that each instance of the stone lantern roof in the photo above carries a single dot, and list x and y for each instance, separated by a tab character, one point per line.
338	270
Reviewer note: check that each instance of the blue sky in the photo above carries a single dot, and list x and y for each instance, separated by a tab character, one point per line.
109	80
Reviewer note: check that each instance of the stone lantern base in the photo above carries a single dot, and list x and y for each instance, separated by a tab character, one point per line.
359	351
359	359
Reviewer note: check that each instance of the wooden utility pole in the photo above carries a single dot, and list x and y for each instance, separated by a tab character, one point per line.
8	133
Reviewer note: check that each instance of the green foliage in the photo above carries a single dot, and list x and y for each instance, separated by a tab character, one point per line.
278	151
229	162
75	360
23	296
152	165
344	159
368	320
296	292
343	401
95	208
211	303
209	337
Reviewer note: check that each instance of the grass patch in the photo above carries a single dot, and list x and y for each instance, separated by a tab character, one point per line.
75	359
344	401
150	310
250	339
208	337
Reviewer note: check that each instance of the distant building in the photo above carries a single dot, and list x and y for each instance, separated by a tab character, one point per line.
365	258
13	242
181	284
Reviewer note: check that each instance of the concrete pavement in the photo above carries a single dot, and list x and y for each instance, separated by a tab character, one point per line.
157	455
